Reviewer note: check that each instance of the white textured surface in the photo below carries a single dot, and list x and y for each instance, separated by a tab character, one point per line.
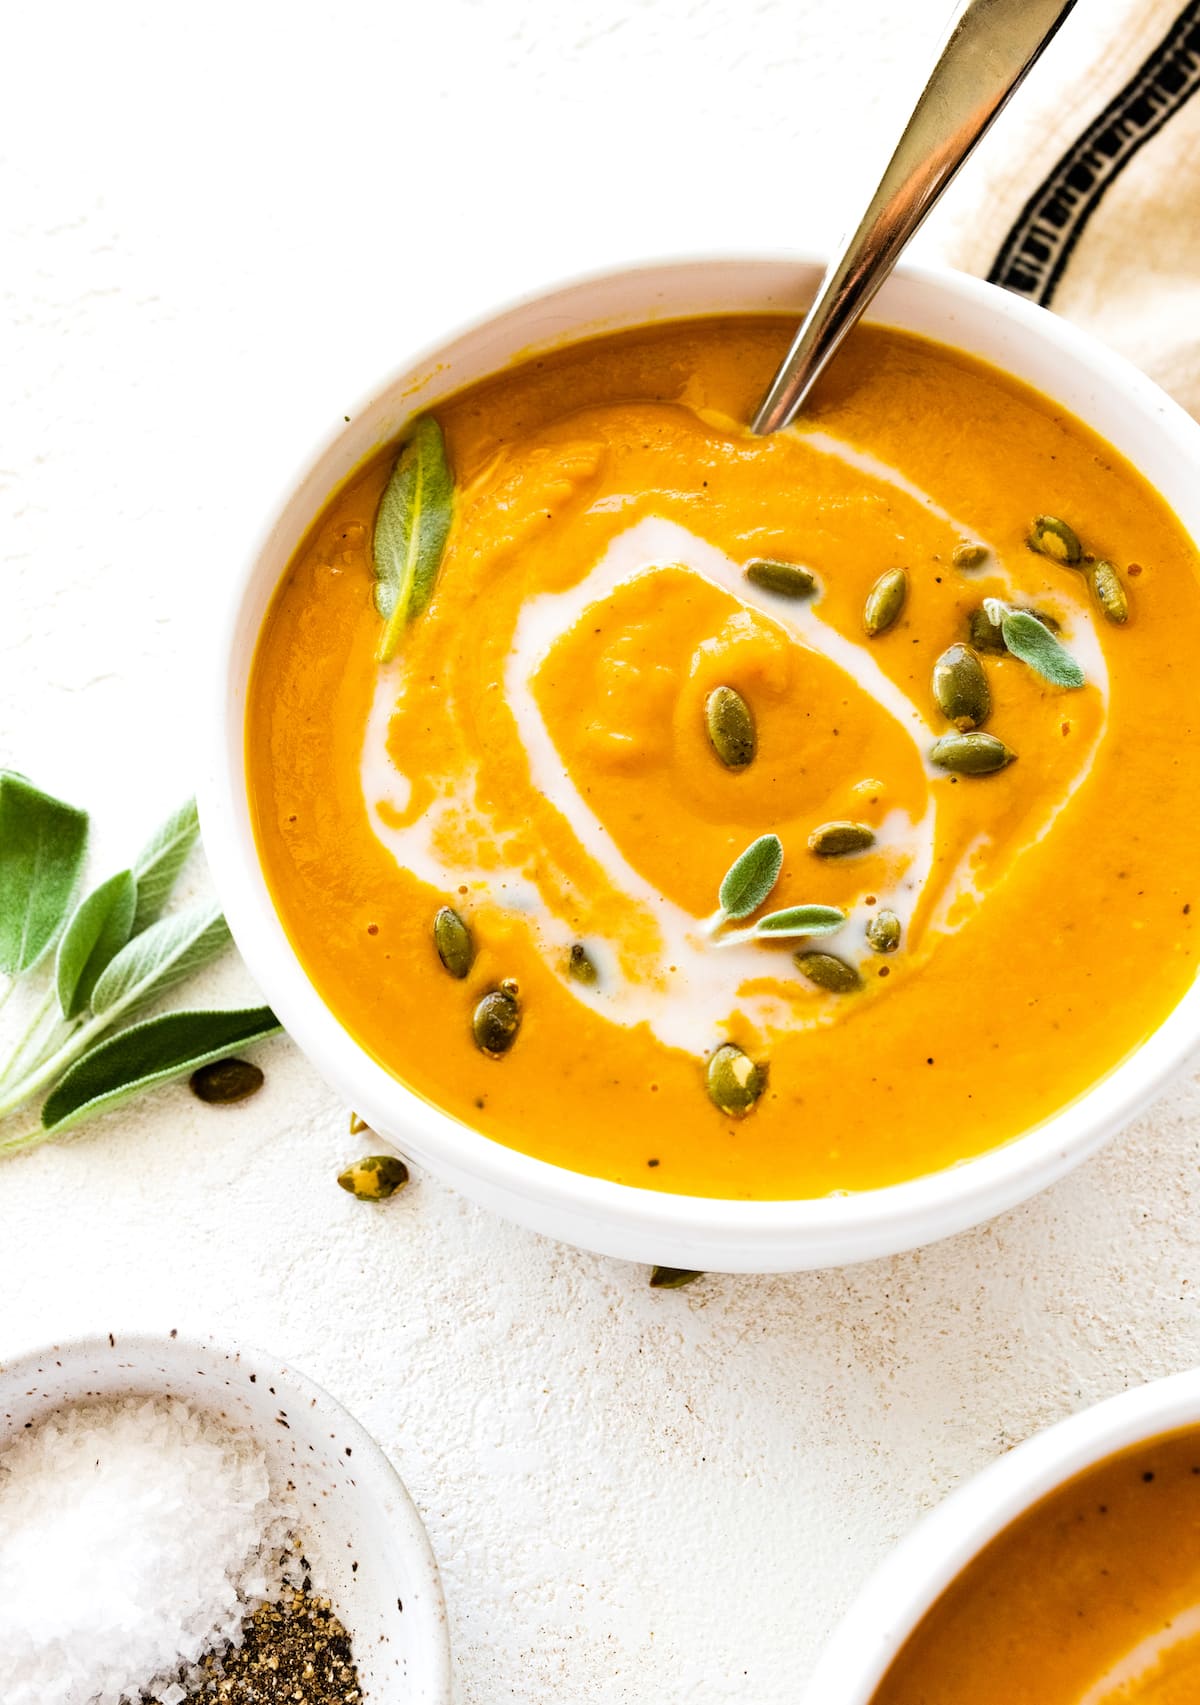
218	226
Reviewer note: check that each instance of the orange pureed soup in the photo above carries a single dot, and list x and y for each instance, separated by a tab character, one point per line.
1092	1598
607	699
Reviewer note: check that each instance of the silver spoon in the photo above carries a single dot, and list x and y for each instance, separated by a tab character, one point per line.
991	47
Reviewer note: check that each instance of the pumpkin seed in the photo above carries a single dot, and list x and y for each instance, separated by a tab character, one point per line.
787	579
580	964
960	688
835	840
225	1081
971	754
1109	593
829	972
985	634
885	601
495	1023
1053	538
883	932
672	1278
730	724
453	941
733	1081
375	1178
969	556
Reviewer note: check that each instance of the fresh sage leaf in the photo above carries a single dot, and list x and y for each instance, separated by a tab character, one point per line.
99	928
160	957
1035	645
42	843
801	920
411	527
157	866
751	877
171	1046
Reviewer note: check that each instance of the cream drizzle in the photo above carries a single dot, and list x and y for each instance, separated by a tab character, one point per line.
1136	1664
825	444
696	1000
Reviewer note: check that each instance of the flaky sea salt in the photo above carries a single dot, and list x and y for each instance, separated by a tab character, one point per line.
133	1536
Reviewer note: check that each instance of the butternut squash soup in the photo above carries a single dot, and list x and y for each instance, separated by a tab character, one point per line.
1092	1598
754	818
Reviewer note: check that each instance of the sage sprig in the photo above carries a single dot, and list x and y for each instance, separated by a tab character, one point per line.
1032	642
411	528
746	886
115	955
170	1046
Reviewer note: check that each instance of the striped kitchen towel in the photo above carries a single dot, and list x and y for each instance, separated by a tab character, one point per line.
1090	184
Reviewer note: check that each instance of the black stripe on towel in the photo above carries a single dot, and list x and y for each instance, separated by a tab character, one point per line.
1036	251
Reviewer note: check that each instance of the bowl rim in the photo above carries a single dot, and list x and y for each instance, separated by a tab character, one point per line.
916	1572
373	1467
882	1220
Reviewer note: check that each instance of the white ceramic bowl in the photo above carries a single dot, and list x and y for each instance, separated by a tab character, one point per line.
911	1580
646	1225
361	1533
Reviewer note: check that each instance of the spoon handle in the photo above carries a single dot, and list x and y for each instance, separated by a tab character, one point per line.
991	47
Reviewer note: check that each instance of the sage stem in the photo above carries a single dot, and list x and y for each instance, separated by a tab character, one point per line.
29	1035
45	1072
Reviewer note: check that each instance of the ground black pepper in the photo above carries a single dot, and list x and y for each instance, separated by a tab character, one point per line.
294	1652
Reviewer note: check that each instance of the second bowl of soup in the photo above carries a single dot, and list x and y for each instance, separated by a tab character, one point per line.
724	850
1066	1574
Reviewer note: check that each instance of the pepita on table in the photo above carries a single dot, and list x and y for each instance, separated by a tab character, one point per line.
374	1178
222	1082
673	1278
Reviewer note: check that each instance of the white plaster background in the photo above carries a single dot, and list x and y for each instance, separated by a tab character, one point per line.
218	226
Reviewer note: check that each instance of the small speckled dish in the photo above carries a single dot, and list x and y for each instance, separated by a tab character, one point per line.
363	1537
